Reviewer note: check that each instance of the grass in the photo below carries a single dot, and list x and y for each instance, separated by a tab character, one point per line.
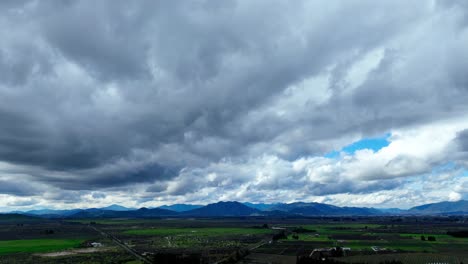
396	241
310	237
415	258
37	245
439	238
112	221
206	231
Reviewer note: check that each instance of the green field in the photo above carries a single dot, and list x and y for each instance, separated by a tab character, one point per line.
414	258
37	245
200	237
111	221
310	237
208	231
358	237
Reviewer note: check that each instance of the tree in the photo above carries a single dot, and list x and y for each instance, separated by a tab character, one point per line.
280	235
423	238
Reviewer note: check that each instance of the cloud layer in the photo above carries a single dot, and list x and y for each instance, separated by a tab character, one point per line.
160	102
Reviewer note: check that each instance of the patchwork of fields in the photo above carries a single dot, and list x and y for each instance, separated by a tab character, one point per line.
363	237
369	240
205	231
37	245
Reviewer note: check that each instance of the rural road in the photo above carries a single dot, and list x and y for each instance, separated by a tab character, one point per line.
261	243
122	245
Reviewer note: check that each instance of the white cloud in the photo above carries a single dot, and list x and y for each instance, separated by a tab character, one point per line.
231	100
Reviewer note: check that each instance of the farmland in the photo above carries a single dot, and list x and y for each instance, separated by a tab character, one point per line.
206	231
239	240
37	245
363	237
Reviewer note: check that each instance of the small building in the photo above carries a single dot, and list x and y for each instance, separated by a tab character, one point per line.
278	228
321	253
324	253
96	244
379	249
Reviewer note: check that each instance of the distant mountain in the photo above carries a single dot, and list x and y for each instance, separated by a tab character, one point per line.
51	212
93	213
312	209
16	217
180	207
262	206
154	212
116	207
391	210
360	211
223	209
140	213
460	207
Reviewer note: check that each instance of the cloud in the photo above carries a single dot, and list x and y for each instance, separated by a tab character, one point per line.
181	101
21	203
18	188
98	195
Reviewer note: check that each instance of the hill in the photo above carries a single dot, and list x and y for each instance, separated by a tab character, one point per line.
233	208
16	217
116	207
51	212
459	207
223	209
262	206
313	209
140	213
181	207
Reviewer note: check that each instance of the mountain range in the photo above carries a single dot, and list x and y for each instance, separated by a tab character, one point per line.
181	207
460	207
237	209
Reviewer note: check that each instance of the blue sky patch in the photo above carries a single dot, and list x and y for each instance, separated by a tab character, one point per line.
447	167
374	144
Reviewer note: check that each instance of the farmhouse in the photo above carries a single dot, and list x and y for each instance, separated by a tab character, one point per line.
278	228
96	244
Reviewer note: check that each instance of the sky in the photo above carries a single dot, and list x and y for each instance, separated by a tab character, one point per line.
145	103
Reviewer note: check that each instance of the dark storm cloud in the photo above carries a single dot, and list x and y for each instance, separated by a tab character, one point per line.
27	202
107	39
114	93
461	142
98	195
19	188
114	176
157	187
347	186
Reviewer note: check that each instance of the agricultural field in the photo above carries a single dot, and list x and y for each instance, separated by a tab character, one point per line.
114	256
201	238
361	237
378	242
204	231
37	245
239	240
416	258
